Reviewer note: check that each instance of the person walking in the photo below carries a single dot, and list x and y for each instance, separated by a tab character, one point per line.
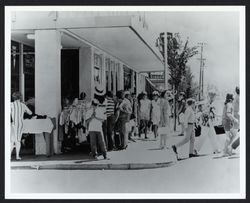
236	106
189	120
164	125
155	113
229	121
17	112
145	104
207	124
181	111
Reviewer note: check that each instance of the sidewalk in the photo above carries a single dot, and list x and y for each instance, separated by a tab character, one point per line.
142	154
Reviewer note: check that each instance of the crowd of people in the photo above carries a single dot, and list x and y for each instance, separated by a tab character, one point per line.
109	121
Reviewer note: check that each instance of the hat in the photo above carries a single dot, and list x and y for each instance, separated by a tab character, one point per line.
126	93
182	93
190	101
156	93
211	91
95	101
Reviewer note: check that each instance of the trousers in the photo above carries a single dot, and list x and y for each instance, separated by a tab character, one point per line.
189	136
97	138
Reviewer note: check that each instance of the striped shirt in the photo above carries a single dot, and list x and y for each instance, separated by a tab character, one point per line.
110	107
17	111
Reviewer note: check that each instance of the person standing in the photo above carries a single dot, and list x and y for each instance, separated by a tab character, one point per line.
145	104
95	117
125	110
155	114
181	111
189	120
110	112
17	112
164	125
236	105
229	121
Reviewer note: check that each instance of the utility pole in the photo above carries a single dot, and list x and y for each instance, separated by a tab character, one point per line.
162	44
201	78
165	60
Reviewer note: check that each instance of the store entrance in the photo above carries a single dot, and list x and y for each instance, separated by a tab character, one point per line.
69	131
69	74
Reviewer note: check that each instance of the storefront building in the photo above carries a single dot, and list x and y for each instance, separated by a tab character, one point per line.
57	54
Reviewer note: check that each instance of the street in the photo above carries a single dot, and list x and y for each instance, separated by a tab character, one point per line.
204	174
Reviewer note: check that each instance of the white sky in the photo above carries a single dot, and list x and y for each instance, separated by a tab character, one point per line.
220	30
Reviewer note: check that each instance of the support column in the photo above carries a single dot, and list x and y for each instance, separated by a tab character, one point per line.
48	81
85	72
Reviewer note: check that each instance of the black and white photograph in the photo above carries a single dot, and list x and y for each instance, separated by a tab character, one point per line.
121	102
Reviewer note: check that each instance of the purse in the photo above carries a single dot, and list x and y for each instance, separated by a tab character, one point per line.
219	129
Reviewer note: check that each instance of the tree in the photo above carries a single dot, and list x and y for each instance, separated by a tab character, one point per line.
178	56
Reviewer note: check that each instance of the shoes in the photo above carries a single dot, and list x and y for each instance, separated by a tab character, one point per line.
193	155
174	149
181	134
216	152
146	137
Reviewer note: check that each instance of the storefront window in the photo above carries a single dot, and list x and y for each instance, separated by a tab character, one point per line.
15	54
107	67
117	66
112	68
97	68
127	78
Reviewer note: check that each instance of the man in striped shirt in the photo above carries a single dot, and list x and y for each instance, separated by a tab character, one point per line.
110	112
17	111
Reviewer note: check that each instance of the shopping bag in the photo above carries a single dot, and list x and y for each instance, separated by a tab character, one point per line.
219	129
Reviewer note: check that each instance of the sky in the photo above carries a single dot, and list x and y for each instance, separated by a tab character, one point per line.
220	32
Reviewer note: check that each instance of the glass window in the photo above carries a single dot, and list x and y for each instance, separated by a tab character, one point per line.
97	68
127	78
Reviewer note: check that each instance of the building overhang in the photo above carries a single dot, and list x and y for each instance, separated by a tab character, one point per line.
121	36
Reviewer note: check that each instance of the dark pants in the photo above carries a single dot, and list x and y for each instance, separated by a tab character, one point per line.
104	130
97	138
143	127
110	132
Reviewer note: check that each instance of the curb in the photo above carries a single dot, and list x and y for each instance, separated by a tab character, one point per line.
128	166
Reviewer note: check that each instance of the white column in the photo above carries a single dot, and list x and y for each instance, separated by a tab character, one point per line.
47	81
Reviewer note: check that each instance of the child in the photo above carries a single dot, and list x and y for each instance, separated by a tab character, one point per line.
95	116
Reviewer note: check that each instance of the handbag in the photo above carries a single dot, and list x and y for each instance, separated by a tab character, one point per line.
219	129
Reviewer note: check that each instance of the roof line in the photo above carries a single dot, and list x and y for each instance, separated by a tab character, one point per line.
146	44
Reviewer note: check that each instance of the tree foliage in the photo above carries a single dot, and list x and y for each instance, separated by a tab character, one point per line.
178	56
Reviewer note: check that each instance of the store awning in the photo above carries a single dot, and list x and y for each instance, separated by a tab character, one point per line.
121	36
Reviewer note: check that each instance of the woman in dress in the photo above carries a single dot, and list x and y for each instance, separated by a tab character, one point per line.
164	127
155	113
228	121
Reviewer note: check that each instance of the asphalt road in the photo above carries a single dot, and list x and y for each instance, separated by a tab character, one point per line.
206	174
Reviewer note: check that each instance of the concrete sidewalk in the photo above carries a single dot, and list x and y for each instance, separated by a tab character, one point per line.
142	154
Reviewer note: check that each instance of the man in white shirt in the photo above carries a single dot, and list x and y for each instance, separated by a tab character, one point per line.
95	116
189	120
